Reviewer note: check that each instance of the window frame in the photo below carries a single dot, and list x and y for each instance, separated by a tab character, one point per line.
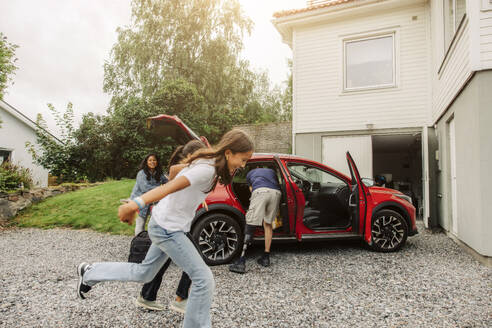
291	163
388	33
11	153
456	24
486	5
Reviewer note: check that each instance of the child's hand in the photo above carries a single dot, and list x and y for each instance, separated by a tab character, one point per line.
126	213
204	204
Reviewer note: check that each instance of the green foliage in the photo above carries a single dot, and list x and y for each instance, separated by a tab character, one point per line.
94	208
57	155
195	40
114	145
13	177
7	62
191	44
177	58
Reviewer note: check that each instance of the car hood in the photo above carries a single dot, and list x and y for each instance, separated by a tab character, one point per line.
382	190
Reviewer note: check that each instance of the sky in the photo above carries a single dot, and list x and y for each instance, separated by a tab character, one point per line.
63	45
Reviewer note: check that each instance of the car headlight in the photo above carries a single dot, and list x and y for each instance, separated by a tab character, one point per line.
404	197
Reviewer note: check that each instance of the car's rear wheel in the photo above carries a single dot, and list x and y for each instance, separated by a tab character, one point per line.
219	238
389	231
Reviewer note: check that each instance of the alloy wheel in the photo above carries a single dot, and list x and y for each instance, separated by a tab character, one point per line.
388	232
218	240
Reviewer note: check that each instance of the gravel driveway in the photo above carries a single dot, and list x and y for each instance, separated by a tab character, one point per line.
431	282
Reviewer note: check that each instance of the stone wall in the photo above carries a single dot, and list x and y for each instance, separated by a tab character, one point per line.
270	137
12	203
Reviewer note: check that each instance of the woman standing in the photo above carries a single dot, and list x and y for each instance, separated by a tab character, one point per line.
171	219
149	177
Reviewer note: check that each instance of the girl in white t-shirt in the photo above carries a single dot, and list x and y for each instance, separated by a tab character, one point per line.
171	219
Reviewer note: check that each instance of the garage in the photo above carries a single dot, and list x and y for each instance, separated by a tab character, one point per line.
399	159
396	157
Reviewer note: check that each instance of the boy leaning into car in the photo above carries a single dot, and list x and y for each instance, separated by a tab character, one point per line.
265	200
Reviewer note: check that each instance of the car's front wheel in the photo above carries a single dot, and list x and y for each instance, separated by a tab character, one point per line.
219	238
389	231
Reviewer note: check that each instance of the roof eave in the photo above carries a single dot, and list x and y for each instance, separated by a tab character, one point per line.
24	119
285	24
285	32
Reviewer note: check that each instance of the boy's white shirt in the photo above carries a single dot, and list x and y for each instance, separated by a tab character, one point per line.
176	211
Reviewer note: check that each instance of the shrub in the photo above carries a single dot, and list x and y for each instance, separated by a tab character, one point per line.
14	176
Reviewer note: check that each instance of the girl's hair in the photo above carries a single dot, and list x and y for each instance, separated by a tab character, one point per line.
176	157
236	141
157	171
182	151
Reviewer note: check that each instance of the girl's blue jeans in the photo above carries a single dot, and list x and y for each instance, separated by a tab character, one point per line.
180	249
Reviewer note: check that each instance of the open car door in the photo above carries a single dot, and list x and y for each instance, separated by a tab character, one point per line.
172	126
358	199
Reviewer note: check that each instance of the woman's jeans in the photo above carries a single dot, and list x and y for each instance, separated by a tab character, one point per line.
183	253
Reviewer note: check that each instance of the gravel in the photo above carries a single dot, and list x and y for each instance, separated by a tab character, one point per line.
431	282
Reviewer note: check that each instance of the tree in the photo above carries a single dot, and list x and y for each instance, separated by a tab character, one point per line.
130	138
286	110
7	63
114	145
198	41
93	147
57	155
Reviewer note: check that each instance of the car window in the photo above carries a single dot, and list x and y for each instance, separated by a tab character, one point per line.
313	174
240	176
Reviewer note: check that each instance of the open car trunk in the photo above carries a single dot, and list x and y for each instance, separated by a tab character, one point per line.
171	126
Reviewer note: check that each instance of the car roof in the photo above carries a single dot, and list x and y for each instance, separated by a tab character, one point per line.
280	155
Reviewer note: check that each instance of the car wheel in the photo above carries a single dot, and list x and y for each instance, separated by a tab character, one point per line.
389	231
218	237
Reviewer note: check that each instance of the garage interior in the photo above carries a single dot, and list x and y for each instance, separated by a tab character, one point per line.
399	159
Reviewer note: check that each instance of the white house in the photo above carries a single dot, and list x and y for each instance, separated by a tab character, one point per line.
406	87
17	129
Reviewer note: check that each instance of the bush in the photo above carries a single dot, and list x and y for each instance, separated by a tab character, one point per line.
14	176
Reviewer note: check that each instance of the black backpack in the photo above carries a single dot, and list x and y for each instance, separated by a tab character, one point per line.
139	247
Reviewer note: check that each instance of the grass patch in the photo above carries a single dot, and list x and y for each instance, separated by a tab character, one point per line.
91	208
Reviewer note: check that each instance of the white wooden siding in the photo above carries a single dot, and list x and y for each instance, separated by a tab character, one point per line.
14	134
321	105
454	72
486	39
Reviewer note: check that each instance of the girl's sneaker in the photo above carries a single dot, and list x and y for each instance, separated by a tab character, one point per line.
149	305
178	306
81	287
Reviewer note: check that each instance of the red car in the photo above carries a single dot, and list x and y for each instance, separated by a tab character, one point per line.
318	203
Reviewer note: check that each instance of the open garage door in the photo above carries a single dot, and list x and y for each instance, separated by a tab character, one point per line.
398	157
360	147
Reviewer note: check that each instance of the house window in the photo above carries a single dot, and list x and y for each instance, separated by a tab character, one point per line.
4	155
454	10
486	4
370	63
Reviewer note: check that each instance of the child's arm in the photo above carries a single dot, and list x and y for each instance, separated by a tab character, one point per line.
126	212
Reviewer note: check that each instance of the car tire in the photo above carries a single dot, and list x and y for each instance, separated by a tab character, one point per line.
218	237
389	231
